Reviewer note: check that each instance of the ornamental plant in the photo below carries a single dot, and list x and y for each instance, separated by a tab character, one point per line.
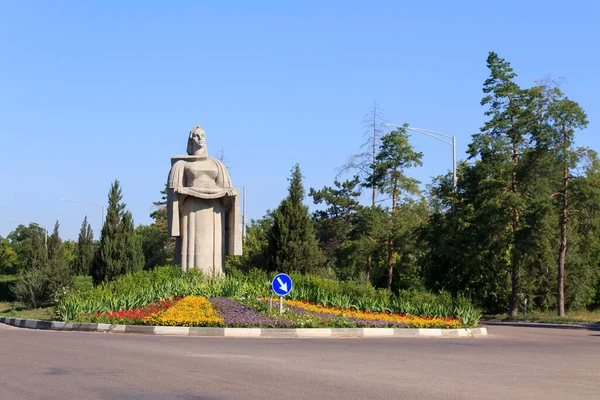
136	316
190	311
385	319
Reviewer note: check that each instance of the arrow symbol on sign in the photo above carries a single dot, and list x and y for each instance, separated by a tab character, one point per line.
282	286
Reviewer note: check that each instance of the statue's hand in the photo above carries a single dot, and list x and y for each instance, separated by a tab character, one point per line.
231	192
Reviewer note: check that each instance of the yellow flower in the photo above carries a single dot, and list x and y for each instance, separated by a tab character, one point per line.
411	321
190	311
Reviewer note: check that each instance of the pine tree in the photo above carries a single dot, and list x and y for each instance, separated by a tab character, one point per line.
334	224
57	271
558	120
500	147
120	249
293	244
395	155
85	249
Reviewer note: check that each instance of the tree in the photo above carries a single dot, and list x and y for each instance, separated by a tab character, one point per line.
120	249
57	271
154	245
158	247
362	163
293	244
85	249
255	252
394	157
28	243
560	119
334	224
8	257
500	147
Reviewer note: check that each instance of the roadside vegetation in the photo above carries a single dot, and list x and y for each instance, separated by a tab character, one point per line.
519	225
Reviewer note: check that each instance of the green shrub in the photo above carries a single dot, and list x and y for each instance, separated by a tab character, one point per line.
31	288
82	283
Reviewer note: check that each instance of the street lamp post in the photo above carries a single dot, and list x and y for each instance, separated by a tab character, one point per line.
38	225
87	203
441	137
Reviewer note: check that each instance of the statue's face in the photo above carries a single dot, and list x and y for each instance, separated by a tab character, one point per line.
199	138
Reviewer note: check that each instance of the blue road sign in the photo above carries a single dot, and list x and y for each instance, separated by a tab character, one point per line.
282	284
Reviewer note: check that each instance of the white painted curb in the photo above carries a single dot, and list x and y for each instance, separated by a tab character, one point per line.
246	332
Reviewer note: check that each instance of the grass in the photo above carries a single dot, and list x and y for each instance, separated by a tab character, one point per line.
17	310
571	317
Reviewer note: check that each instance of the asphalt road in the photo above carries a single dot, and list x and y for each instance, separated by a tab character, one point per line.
511	363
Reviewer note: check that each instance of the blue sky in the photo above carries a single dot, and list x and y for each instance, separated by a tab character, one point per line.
93	92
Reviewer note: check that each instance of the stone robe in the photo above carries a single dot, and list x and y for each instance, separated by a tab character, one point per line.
203	213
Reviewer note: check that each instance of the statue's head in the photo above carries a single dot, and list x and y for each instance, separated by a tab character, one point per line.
196	141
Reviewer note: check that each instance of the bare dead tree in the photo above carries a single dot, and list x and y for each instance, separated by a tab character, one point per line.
361	164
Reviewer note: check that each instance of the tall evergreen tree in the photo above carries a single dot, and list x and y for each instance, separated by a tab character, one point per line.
293	244
55	251
394	157
58	271
500	147
85	249
560	119
120	249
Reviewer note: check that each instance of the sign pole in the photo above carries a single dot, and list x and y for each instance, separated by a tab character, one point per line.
282	286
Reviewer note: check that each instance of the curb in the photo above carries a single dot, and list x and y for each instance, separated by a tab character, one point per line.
246	332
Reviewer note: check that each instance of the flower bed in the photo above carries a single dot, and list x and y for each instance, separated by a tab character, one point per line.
367	318
236	314
190	311
198	311
136	316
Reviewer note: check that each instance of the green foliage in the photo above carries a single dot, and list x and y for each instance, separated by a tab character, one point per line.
28	243
293	244
144	287
57	271
394	157
255	246
8	257
85	249
120	249
32	289
157	246
334	224
153	241
6	281
82	283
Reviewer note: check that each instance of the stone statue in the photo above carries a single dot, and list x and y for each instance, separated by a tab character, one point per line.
203	209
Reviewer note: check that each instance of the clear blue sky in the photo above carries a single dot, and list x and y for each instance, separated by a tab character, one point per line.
93	92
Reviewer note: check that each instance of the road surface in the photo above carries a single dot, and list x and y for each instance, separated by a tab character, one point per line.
511	363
